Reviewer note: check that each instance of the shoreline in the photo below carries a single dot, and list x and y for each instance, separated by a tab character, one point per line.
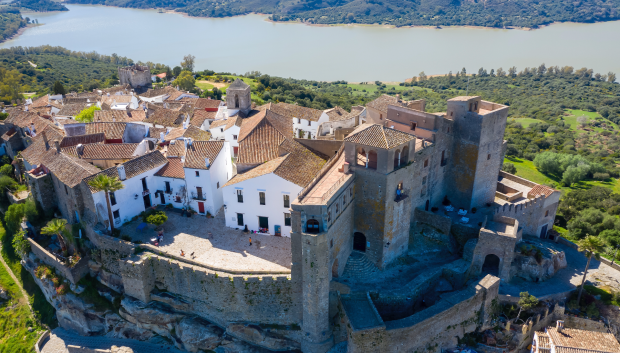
346	24
21	31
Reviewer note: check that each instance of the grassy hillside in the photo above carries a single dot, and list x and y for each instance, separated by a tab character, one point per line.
492	13
10	22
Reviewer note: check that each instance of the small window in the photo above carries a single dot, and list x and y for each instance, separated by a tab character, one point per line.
287	201
413	126
351	192
112	199
222	130
329	215
331	243
380	116
261	196
168	190
308	122
488	156
197	173
547	213
240	219
287	219
424	181
426	163
218	185
116	214
451	114
234	137
344	199
336	207
448	130
240	196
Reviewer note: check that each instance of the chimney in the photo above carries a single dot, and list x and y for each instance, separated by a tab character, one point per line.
57	145
80	150
560	326
121	172
47	145
207	162
345	167
113	120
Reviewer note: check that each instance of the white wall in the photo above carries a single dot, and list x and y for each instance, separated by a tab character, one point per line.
154	99
274	187
176	186
312	128
230	134
220	171
127	205
218	133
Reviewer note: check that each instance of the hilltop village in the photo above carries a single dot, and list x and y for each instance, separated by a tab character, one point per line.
381	229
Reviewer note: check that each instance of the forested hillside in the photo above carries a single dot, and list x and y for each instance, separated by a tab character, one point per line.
10	22
491	13
40	5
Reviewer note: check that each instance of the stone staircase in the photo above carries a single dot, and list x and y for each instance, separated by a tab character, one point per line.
359	267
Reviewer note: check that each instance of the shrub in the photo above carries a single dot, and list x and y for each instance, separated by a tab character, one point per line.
21	244
157	218
73	260
509	168
43	271
592	310
62	289
7	170
601	176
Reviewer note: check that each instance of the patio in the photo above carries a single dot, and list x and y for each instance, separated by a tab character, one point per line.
209	242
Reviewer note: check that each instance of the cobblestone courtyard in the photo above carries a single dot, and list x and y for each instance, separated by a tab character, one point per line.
217	246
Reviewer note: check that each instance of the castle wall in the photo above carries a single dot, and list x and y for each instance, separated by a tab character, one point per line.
499	244
340	236
73	274
135	76
530	214
42	189
216	296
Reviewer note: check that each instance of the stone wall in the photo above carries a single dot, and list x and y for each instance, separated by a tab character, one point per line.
528	213
216	296
340	237
135	76
111	249
434	328
73	274
493	242
42	189
435	220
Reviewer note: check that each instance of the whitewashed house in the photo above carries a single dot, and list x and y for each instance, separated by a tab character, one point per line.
305	121
261	197
170	183
138	178
228	130
120	102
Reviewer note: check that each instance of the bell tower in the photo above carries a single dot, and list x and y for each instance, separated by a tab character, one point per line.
238	98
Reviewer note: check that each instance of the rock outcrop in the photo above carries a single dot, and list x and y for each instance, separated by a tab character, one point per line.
539	269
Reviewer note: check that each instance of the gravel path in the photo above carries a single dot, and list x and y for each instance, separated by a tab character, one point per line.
60	339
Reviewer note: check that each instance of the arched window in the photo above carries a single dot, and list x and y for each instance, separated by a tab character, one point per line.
312	226
396	159
236	101
361	157
404	156
372	160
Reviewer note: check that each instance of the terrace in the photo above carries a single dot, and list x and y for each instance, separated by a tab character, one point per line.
208	242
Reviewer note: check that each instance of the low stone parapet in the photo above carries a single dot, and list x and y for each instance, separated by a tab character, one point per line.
73	274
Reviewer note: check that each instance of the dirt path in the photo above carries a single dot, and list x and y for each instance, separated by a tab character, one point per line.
18	283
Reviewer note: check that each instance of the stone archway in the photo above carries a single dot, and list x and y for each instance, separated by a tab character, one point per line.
491	265
359	242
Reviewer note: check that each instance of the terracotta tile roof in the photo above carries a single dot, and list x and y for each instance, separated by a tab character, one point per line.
375	135
10	133
169	105
26	119
236	120
260	137
36	151
134	167
68	169
174	95
166	117
201	103
101	151
109	116
72	109
151	93
136	115
174	134
296	111
118	98
112	131
40	102
382	103
218	123
154	132
69	141
199	150
583	340
172	169
197	134
540	190
263	169
112	90
338	114
45	110
175	149
67	121
78	100
200	116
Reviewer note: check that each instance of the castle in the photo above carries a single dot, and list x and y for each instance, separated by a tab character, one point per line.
136	76
398	241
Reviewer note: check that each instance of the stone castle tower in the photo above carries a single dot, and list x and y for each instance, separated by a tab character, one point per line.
135	76
238	98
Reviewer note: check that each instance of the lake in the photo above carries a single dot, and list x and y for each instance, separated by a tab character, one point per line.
352	53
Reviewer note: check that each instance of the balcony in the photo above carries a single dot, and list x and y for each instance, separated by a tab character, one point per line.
199	196
169	191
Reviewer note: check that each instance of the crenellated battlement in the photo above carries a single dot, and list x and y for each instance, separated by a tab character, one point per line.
510	209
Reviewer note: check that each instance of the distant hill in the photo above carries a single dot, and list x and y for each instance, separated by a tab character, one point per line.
10	22
489	13
40	5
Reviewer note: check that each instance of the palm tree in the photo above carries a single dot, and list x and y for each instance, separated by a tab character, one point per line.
56	226
107	184
592	246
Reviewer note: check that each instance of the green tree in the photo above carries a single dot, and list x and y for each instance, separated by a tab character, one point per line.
611	77
526	302
177	71
574	174
107	184
87	115
591	245
13	218
185	81
509	168
157	218
7	170
21	244
59	88
548	163
188	62
10	84
168	73
56	226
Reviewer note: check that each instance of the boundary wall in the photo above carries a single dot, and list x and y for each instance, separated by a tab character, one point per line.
219	297
73	274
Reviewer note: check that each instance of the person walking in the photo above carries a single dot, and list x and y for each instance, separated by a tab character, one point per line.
250	241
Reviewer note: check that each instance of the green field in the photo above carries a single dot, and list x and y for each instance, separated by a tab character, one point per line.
204	85
527	170
572	119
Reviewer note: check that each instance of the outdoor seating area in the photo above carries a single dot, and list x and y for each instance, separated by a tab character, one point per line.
209	242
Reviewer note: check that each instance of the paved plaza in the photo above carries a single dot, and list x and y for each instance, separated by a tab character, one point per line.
209	242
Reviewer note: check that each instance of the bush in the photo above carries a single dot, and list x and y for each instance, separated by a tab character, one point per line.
43	271
592	310
21	244
7	170
509	168
62	289
601	176
157	218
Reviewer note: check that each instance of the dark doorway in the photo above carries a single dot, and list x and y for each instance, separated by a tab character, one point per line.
491	265
168	187
543	232
236	101
427	205
147	201
239	219
161	197
312	226
359	242
263	222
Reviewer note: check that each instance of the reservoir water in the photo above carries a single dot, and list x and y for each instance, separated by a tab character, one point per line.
352	53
